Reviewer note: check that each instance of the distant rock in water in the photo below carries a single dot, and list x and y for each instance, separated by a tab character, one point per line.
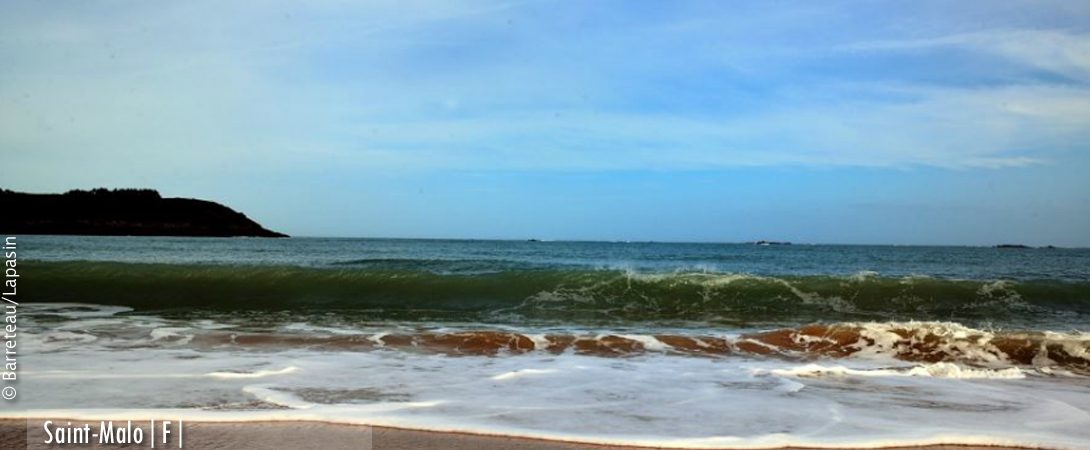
771	243
122	212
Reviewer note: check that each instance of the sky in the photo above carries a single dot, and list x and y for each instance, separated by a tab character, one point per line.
868	121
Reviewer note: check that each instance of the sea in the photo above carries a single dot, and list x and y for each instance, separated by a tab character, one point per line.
682	345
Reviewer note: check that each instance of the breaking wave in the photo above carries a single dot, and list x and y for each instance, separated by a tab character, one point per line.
411	293
921	342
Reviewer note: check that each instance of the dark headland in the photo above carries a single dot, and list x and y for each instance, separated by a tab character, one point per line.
122	212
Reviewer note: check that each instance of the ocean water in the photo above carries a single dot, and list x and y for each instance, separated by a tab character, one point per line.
676	345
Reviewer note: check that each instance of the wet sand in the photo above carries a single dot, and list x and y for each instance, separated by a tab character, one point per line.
14	434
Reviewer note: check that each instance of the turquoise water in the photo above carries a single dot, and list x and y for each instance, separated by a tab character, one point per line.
569	282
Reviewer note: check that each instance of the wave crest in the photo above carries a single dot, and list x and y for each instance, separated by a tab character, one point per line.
554	294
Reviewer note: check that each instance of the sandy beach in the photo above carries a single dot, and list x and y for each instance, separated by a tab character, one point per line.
319	435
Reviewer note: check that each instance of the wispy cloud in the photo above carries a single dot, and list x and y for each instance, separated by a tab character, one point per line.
1061	52
387	118
521	86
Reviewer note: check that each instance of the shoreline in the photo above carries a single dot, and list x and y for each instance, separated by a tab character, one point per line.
300	434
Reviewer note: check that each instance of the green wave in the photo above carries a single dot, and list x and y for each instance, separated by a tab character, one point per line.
551	294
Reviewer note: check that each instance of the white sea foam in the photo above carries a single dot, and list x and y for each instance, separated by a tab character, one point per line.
205	324
883	339
115	375
647	341
305	327
653	398
75	310
255	374
377	339
1074	344
937	370
863	275
276	397
171	334
66	336
522	373
539	340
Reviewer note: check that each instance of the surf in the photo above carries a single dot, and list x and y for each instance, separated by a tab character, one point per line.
563	295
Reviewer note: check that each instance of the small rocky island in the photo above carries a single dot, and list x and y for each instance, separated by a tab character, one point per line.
122	212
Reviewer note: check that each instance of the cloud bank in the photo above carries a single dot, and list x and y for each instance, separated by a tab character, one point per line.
533	86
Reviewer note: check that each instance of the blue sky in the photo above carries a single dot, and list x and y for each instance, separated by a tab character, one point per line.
954	122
